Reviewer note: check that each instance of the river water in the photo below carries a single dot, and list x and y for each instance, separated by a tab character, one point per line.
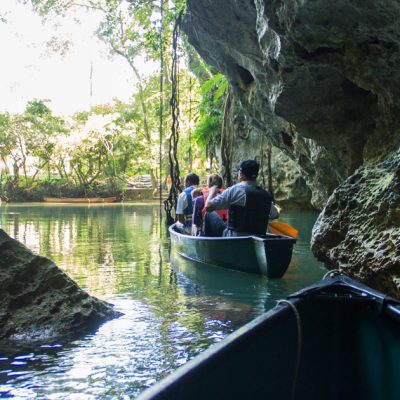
120	253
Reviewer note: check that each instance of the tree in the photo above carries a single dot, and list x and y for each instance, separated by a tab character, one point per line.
41	131
131	29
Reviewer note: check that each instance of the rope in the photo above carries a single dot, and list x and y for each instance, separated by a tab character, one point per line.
332	273
171	201
299	344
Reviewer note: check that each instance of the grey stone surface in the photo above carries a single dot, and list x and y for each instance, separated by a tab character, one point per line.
327	68
359	229
39	302
288	184
320	80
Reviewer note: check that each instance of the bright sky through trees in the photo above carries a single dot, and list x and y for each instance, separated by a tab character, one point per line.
30	69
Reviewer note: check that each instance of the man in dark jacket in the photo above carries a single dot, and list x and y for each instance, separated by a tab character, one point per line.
249	206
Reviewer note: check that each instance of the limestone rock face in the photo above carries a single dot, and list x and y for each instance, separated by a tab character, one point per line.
39	302
320	80
359	229
240	141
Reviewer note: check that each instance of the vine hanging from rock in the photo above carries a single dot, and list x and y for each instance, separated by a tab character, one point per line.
173	140
227	142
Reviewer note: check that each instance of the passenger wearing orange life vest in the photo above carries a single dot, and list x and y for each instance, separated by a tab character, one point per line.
199	199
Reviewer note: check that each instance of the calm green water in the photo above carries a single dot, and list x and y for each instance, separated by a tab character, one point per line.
120	253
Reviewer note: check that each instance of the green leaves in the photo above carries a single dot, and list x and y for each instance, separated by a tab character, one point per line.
129	140
213	91
37	107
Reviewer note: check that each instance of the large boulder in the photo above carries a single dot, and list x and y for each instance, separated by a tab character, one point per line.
39	302
358	232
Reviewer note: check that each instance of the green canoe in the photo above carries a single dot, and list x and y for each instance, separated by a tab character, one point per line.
334	340
268	255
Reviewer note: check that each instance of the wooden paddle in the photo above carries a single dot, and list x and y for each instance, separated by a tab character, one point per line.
280	228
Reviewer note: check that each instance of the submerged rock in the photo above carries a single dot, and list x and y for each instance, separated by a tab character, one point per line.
39	302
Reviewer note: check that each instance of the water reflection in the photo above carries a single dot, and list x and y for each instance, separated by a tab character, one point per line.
120	253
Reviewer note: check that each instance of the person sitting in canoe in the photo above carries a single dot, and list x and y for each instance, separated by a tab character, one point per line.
184	207
199	198
248	205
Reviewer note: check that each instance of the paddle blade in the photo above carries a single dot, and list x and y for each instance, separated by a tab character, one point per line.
280	228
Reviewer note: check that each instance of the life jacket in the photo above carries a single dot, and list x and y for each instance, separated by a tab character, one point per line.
188	211
253	217
222	213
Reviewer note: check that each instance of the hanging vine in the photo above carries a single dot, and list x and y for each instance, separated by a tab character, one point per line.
270	188
190	125
226	142
161	101
262	160
269	166
171	201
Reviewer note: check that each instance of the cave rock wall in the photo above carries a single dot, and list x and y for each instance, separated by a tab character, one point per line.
329	69
241	141
321	80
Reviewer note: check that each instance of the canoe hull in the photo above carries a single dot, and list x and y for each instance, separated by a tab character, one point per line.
337	341
88	200
269	256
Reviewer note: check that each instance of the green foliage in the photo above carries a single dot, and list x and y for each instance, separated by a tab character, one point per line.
102	109
37	108
81	117
208	129
128	141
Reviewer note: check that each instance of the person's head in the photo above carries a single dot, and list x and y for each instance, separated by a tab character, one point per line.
191	179
214	180
248	170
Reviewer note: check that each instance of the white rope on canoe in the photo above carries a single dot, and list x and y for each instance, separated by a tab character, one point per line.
332	273
299	344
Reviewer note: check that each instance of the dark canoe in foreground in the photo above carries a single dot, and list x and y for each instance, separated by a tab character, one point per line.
269	255
334	340
80	199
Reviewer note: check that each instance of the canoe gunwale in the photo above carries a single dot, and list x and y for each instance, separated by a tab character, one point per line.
339	287
268	236
183	373
196	369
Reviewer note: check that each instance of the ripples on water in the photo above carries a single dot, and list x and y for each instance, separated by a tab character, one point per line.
120	253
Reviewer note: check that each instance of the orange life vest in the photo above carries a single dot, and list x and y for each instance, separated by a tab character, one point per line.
222	213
